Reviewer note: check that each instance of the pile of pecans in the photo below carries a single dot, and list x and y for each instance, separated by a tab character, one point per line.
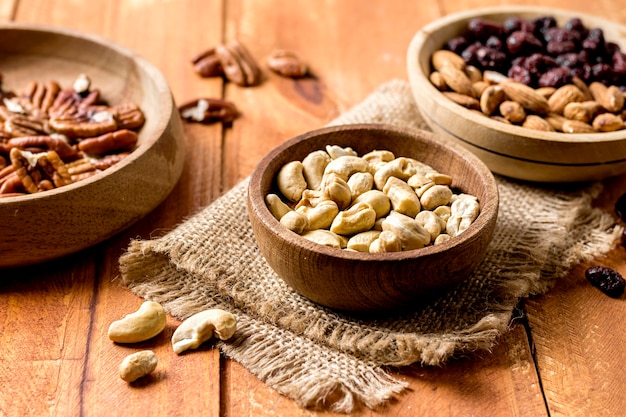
51	136
535	74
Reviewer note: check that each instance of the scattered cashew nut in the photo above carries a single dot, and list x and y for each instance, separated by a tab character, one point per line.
138	364
145	323
201	327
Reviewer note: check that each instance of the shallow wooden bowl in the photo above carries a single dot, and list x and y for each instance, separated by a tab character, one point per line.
47	225
356	281
510	150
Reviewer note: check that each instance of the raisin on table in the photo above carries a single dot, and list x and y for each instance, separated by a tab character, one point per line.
607	280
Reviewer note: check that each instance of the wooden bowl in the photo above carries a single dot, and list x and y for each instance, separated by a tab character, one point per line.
356	281
47	225
511	150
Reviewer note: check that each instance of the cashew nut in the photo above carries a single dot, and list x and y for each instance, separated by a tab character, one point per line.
313	168
277	207
441	239
324	237
402	196
295	221
336	151
377	199
145	323
400	167
361	241
411	234
290	180
336	188
387	242
358	218
431	222
201	326
435	196
463	212
420	183
346	165
138	364
320	216
359	183
378	156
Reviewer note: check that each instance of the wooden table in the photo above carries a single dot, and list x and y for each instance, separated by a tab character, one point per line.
564	354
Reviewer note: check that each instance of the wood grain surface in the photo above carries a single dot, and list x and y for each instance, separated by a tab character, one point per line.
563	355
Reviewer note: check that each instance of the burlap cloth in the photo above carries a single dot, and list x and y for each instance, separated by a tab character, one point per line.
319	357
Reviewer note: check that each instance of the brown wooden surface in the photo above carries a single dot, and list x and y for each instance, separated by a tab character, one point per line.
564	354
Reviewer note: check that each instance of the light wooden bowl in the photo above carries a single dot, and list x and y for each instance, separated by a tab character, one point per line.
510	150
355	281
47	225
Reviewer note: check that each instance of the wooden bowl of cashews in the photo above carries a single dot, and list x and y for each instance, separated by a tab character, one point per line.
46	209
326	260
559	74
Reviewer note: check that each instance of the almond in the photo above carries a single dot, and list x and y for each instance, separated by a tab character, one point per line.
491	98
608	122
526	96
463	100
563	96
457	80
513	111
444	57
437	80
556	121
576	126
611	98
537	123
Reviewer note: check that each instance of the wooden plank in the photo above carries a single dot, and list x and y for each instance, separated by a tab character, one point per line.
42	310
579	338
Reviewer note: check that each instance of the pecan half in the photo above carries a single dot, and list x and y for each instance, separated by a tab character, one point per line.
209	110
120	140
129	116
287	63
26	125
86	122
239	65
48	143
39	172
207	64
41	96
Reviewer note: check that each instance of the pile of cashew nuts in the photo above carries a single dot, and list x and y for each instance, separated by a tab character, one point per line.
372	203
150	320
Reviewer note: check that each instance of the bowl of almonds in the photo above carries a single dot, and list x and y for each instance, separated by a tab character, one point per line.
536	93
371	217
90	141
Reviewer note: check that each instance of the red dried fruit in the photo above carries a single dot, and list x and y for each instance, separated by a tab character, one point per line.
607	280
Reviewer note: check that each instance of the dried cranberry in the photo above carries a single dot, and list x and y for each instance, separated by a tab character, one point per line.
494	42
607	280
594	42
555	77
491	58
560	47
521	74
483	29
514	23
523	43
602	72
469	53
543	23
458	44
575	24
620	207
569	60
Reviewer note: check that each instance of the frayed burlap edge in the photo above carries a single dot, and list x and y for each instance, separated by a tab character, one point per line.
162	270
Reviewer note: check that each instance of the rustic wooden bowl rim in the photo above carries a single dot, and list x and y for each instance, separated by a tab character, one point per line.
257	200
